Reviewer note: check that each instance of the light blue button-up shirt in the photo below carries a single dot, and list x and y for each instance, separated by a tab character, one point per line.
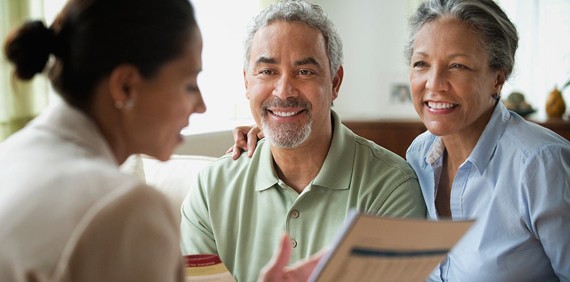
516	184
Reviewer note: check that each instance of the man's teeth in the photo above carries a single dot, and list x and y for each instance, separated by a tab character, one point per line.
284	114
440	106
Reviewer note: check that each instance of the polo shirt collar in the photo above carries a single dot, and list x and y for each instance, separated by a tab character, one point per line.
266	176
336	171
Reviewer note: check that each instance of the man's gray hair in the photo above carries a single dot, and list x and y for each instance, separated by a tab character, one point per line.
298	11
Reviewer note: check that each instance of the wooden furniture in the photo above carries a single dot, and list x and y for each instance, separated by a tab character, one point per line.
396	135
560	126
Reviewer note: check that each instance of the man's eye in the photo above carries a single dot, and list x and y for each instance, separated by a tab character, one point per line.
265	72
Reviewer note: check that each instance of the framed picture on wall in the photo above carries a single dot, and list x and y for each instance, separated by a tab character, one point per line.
400	94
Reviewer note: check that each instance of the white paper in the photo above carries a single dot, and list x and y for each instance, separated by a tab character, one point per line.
374	248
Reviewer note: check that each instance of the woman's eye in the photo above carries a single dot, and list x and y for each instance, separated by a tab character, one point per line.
419	64
458	66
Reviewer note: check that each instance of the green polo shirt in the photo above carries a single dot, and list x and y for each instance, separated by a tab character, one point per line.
239	209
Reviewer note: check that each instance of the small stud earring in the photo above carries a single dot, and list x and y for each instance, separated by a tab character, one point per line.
119	104
126	105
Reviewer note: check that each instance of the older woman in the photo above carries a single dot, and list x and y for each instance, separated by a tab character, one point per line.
478	160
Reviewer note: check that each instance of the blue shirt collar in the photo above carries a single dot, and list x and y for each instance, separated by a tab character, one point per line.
486	145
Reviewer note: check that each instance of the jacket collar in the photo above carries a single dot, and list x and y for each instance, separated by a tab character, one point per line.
72	125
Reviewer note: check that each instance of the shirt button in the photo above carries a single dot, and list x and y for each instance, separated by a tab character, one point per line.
293	243
295	214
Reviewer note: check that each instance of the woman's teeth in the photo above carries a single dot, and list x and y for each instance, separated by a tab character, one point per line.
440	106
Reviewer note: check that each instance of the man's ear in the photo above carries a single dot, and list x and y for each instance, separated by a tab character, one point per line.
337	81
122	82
245	82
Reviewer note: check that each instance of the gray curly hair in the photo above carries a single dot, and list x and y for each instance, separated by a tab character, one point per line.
302	12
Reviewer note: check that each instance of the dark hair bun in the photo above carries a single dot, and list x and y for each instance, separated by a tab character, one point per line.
29	47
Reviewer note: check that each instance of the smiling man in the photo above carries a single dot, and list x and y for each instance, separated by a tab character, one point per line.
309	171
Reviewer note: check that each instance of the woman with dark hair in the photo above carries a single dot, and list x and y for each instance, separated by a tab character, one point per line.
126	70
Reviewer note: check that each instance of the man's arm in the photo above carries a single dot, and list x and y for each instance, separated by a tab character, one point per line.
406	200
197	236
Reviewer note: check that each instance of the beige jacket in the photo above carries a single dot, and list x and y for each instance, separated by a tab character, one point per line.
68	214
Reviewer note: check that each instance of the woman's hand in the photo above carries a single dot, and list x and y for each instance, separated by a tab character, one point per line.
278	271
245	138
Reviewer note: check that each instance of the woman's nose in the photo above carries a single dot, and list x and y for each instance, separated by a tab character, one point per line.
198	105
437	80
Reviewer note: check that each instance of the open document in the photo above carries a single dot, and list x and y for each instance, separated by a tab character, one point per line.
374	248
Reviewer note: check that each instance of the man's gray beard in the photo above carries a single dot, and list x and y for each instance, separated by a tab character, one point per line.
287	135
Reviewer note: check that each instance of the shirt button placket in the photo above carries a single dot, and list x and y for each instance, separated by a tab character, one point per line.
293	243
295	214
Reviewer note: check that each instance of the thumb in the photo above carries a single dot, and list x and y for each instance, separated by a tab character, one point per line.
302	270
283	253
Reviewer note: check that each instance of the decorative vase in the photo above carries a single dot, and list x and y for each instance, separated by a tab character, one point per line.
555	106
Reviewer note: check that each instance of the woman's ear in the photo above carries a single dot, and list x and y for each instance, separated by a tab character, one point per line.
500	79
122	81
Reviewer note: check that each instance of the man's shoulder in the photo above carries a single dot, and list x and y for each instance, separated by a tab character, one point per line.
227	165
371	149
378	157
